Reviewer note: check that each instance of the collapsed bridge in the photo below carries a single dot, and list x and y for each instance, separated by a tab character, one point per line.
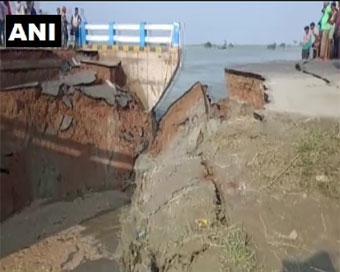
74	121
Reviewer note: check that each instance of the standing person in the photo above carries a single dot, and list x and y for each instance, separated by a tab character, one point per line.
3	13
337	35
64	25
9	11
20	8
306	44
332	21
33	11
75	23
325	28
58	11
315	40
40	12
30	8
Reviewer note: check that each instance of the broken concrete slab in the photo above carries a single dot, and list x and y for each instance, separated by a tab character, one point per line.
13	65
84	77
108	70
66	123
51	87
22	86
67	101
289	89
191	106
109	93
110	64
102	91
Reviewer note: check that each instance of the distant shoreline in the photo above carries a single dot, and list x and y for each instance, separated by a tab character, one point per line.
241	45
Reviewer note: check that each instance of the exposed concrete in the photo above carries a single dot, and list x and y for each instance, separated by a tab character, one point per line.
51	87
193	104
148	73
21	66
109	93
301	90
22	86
83	77
107	70
63	151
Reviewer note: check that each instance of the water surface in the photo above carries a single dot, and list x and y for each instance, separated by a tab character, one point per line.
207	66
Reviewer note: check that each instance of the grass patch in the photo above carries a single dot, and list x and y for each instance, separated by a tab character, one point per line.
319	161
236	245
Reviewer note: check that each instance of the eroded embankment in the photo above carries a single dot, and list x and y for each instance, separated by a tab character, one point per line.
235	189
69	134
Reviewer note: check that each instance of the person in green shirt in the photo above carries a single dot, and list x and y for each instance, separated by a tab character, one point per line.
325	28
306	44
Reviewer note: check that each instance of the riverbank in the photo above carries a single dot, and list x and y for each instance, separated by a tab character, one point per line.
227	185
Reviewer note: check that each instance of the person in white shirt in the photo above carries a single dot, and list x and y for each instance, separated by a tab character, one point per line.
315	40
75	24
20	8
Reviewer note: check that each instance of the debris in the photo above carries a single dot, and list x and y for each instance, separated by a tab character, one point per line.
67	101
51	87
65	67
322	178
100	92
141	234
123	100
109	93
127	136
57	122
51	131
81	78
66	123
293	235
201	222
258	116
22	86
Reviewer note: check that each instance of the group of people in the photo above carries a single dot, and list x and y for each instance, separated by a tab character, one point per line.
323	41
73	25
15	8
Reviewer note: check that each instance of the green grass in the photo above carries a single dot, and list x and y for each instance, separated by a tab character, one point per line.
236	245
319	161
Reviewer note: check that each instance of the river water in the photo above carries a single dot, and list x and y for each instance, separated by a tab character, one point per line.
207	66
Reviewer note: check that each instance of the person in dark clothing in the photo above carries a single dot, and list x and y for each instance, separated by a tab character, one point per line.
33	11
64	25
75	24
306	44
3	13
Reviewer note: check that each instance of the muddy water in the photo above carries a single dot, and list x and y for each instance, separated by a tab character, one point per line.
207	66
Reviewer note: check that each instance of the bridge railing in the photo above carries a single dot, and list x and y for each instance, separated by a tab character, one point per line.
170	36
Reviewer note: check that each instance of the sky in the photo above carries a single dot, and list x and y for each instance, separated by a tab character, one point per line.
237	22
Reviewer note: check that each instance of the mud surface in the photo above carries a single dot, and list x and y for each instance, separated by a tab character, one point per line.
310	88
219	186
68	135
241	195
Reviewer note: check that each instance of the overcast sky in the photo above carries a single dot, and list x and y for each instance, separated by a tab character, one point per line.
237	22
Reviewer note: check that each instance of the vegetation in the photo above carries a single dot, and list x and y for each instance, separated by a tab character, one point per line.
319	158
272	46
208	45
